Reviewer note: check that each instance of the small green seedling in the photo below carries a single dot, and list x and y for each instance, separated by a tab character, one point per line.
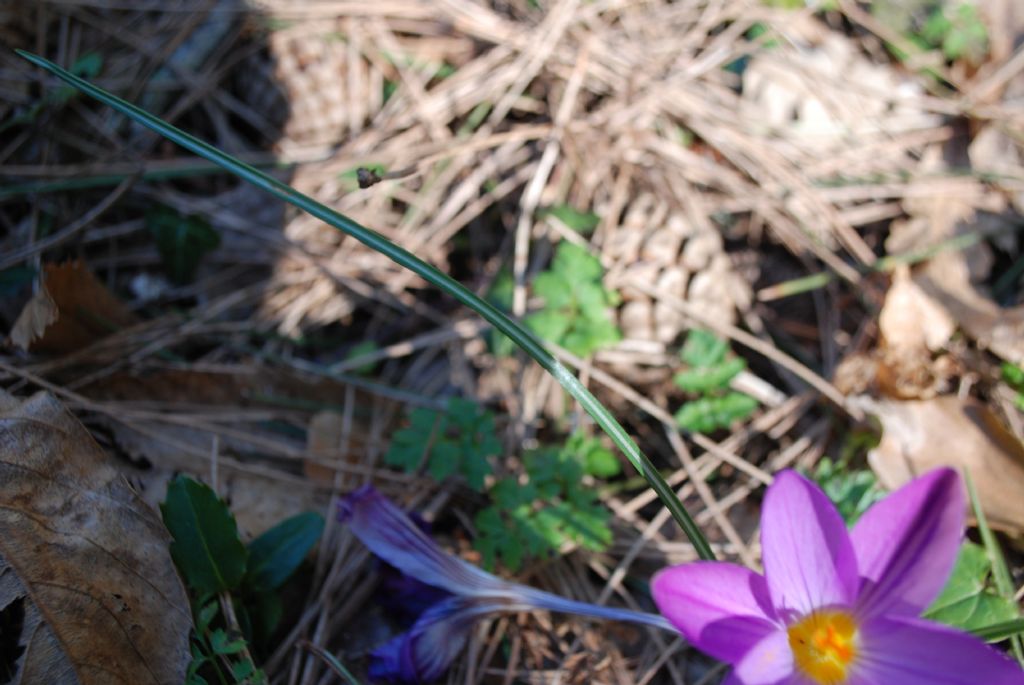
181	240
572	218
576	303
1013	376
707	376
218	567
360	349
958	30
853	491
458	441
970	600
548	507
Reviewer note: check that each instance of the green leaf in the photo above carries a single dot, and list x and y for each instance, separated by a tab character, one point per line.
549	324
240	670
702	379
445	458
206	615
576	304
411	444
221	643
588	336
591	299
581	222
193	678
502	290
852	491
497	539
459	442
555	288
198	659
182	240
360	349
597	459
711	413
602	463
969	601
1013	375
206	548
576	263
958	30
265	611
275	554
703	348
551	508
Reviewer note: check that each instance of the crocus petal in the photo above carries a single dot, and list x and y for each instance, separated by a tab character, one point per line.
722	609
423	653
538	599
769	662
906	545
392	536
912	651
808	559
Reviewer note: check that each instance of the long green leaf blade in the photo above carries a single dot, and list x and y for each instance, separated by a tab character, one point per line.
404	258
206	548
275	554
1000	573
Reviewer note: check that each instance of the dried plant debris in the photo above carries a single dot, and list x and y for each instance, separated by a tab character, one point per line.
668	251
918	436
83	560
70	310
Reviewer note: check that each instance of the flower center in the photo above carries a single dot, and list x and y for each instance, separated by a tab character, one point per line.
824	646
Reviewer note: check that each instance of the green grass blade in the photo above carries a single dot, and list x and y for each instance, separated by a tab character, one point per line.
1001	631
375	241
1000	574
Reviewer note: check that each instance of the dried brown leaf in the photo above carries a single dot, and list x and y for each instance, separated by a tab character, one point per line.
910	320
71	310
999	330
91	564
34	319
960	433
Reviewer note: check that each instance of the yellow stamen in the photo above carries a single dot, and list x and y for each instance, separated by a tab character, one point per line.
824	646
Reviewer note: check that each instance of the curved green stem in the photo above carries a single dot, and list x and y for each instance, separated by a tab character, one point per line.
521	336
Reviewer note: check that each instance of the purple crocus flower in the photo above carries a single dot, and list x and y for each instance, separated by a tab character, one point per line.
424	652
836	607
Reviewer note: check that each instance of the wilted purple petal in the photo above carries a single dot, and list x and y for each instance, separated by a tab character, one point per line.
403	595
423	653
911	651
426	650
723	609
392	536
906	545
769	662
808	559
538	599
